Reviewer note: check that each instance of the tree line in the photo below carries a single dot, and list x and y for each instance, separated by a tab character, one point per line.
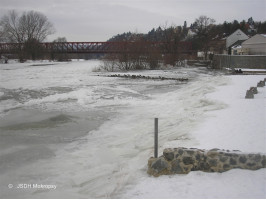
200	34
172	38
249	27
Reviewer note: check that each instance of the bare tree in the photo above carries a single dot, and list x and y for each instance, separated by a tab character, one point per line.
204	26
60	56
171	36
30	28
10	27
204	23
30	25
60	39
2	39
32	49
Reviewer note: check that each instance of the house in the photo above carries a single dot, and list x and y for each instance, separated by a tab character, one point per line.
239	50
234	39
256	45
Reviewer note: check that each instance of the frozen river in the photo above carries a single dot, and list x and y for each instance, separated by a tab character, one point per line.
90	135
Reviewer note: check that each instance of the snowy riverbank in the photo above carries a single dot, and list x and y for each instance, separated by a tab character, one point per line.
91	136
241	125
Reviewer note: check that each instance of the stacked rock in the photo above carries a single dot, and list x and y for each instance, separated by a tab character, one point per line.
147	77
183	160
261	83
249	94
253	90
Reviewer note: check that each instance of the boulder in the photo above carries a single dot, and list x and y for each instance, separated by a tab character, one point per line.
261	84
249	94
254	90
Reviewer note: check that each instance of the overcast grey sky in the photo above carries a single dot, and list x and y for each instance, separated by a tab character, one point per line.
98	20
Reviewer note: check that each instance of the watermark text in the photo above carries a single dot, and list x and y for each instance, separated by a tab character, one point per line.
32	186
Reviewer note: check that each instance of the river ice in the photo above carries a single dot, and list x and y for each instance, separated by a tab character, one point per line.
88	134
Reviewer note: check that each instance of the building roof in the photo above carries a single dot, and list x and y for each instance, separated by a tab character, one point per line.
234	37
256	39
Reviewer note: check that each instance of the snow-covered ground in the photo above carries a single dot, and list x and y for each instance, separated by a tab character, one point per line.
91	135
241	125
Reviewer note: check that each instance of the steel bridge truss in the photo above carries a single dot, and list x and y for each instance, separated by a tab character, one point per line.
101	47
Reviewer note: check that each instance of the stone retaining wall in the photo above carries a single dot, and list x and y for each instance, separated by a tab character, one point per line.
183	160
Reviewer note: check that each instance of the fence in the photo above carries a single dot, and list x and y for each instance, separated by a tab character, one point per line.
239	61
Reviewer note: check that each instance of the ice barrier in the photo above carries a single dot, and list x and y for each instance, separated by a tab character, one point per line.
183	160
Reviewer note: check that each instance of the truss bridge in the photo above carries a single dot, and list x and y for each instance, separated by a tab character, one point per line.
101	47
